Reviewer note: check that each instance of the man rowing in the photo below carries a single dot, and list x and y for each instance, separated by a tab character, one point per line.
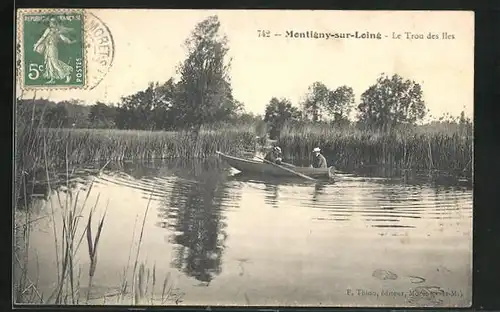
274	155
319	161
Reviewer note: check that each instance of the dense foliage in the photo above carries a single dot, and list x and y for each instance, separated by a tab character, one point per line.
202	95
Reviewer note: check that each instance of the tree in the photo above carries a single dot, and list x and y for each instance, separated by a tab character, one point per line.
33	112
391	101
340	102
204	90
56	116
164	115
316	100
247	118
77	113
102	115
278	112
133	111
125	118
139	110
229	110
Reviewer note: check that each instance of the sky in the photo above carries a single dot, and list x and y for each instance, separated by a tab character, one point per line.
149	46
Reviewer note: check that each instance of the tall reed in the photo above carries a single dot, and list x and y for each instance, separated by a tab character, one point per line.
66	213
89	145
68	234
405	148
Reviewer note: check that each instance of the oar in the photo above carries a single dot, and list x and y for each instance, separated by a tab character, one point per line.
286	169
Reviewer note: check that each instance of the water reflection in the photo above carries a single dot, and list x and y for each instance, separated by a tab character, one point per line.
272	194
387	204
193	212
191	196
198	207
38	185
319	189
435	178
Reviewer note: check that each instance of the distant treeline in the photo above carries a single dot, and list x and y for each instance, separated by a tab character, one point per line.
203	95
384	128
77	114
157	108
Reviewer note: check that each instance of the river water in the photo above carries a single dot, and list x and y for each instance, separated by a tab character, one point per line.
222	239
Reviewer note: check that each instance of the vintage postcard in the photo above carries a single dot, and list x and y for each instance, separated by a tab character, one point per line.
243	157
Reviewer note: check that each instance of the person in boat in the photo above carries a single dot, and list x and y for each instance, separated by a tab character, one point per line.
274	155
319	161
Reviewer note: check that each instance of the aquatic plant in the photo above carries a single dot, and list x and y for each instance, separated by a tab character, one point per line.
88	145
415	148
37	147
68	233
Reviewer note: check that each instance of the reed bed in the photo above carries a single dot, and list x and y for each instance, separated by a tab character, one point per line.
38	147
417	148
92	145
37	151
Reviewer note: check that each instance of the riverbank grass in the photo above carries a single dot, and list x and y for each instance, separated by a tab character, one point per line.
87	145
69	233
412	148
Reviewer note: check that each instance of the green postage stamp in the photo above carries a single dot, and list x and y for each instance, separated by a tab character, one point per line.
53	49
62	49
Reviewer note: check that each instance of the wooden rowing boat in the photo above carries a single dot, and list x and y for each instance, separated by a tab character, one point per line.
257	167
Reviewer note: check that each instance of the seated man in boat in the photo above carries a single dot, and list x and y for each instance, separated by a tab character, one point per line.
319	161
274	155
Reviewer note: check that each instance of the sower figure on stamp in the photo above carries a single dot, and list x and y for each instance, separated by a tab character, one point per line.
47	46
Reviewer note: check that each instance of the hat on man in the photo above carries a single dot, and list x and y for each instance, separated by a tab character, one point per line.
316	149
277	148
